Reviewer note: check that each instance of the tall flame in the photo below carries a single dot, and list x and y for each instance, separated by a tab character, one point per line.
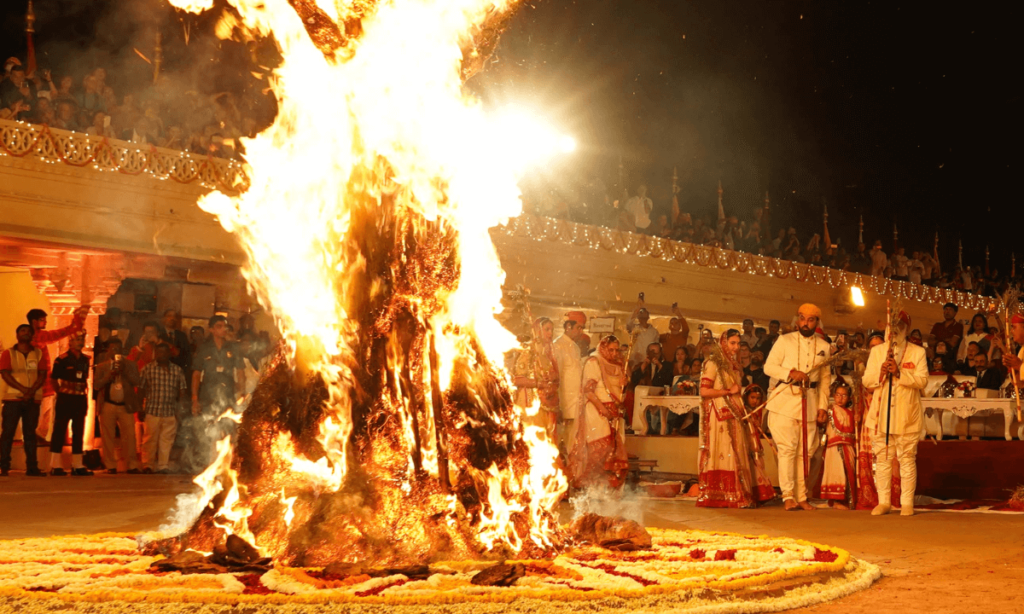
379	121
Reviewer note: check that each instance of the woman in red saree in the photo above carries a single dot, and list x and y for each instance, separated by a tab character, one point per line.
536	377
731	465
598	455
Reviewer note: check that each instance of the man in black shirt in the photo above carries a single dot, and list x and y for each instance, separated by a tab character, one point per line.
71	380
181	349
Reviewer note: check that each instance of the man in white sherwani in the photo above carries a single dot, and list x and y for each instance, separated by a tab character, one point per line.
570	376
907	365
794	402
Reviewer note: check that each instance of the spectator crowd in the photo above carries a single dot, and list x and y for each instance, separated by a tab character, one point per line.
166	116
591	203
162	114
160	405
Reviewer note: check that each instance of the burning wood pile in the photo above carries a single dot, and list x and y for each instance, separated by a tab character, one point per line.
383	435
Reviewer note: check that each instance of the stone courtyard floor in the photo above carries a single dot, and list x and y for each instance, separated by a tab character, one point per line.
935	562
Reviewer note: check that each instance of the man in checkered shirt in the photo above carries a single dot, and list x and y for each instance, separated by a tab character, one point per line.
163	388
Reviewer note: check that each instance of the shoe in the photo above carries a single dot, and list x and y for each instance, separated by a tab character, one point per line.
881	510
58	471
146	470
133	472
35	473
112	471
907	510
81	471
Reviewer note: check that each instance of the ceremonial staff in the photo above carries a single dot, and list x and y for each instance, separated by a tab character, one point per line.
1010	302
892	345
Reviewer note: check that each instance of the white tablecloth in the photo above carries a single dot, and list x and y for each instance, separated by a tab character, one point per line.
965	408
654	397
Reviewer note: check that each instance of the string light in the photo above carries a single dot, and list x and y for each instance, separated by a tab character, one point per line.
594	237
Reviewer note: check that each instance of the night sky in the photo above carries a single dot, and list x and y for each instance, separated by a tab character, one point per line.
907	113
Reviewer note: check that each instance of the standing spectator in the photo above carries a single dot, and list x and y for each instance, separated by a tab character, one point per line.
45	112
17	87
755	372
181	351
71	376
163	390
900	263
197	337
949	329
640	208
915	269
116	379
40	339
678	332
67	116
66	90
217	381
24	369
100	125
765	345
143	353
861	260
643	335
879	261
748	336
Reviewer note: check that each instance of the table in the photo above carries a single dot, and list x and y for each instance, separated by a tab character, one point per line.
966	408
651	397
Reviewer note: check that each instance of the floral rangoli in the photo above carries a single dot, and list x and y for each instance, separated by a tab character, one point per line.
684	570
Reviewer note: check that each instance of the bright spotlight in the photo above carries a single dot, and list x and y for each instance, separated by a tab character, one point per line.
856	296
529	140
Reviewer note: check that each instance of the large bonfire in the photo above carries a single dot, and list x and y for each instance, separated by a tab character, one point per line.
384	431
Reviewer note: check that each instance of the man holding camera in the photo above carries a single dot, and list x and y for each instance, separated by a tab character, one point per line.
115	381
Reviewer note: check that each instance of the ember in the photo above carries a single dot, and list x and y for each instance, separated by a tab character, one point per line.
383	434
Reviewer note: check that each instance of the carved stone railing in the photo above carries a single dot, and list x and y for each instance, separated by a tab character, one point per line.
40	142
607	239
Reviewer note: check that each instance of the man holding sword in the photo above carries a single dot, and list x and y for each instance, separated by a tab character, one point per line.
801	392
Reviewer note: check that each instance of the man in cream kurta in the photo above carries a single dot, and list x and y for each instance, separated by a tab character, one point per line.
908	367
1016	363
570	376
791	420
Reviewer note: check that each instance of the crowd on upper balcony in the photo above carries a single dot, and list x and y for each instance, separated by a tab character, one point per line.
161	116
592	204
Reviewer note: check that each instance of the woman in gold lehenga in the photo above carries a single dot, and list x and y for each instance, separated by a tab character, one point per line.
731	463
536	373
598	455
